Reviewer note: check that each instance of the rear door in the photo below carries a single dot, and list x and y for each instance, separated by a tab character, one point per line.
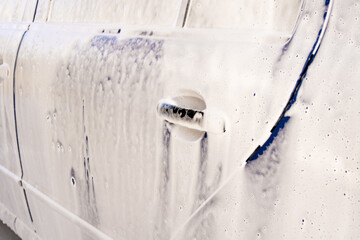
126	131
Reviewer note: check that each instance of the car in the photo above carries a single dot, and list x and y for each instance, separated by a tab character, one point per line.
181	119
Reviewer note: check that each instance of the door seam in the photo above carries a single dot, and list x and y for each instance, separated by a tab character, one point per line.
16	127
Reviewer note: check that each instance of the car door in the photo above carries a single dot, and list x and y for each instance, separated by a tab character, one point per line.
131	131
15	17
99	161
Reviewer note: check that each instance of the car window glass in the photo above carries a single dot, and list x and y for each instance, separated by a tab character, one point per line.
275	15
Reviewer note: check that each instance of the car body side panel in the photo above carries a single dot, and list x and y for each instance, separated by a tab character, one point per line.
89	100
305	184
14	19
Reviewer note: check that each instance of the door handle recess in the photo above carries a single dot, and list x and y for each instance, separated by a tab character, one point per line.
202	120
4	71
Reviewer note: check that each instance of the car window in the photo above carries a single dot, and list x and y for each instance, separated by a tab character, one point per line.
141	12
278	15
17	10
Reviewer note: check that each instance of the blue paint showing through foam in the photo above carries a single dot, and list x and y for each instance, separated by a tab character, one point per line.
270	140
108	44
282	120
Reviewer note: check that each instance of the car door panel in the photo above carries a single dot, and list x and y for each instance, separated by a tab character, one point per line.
89	99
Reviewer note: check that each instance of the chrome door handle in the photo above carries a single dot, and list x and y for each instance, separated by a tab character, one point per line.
202	120
4	71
